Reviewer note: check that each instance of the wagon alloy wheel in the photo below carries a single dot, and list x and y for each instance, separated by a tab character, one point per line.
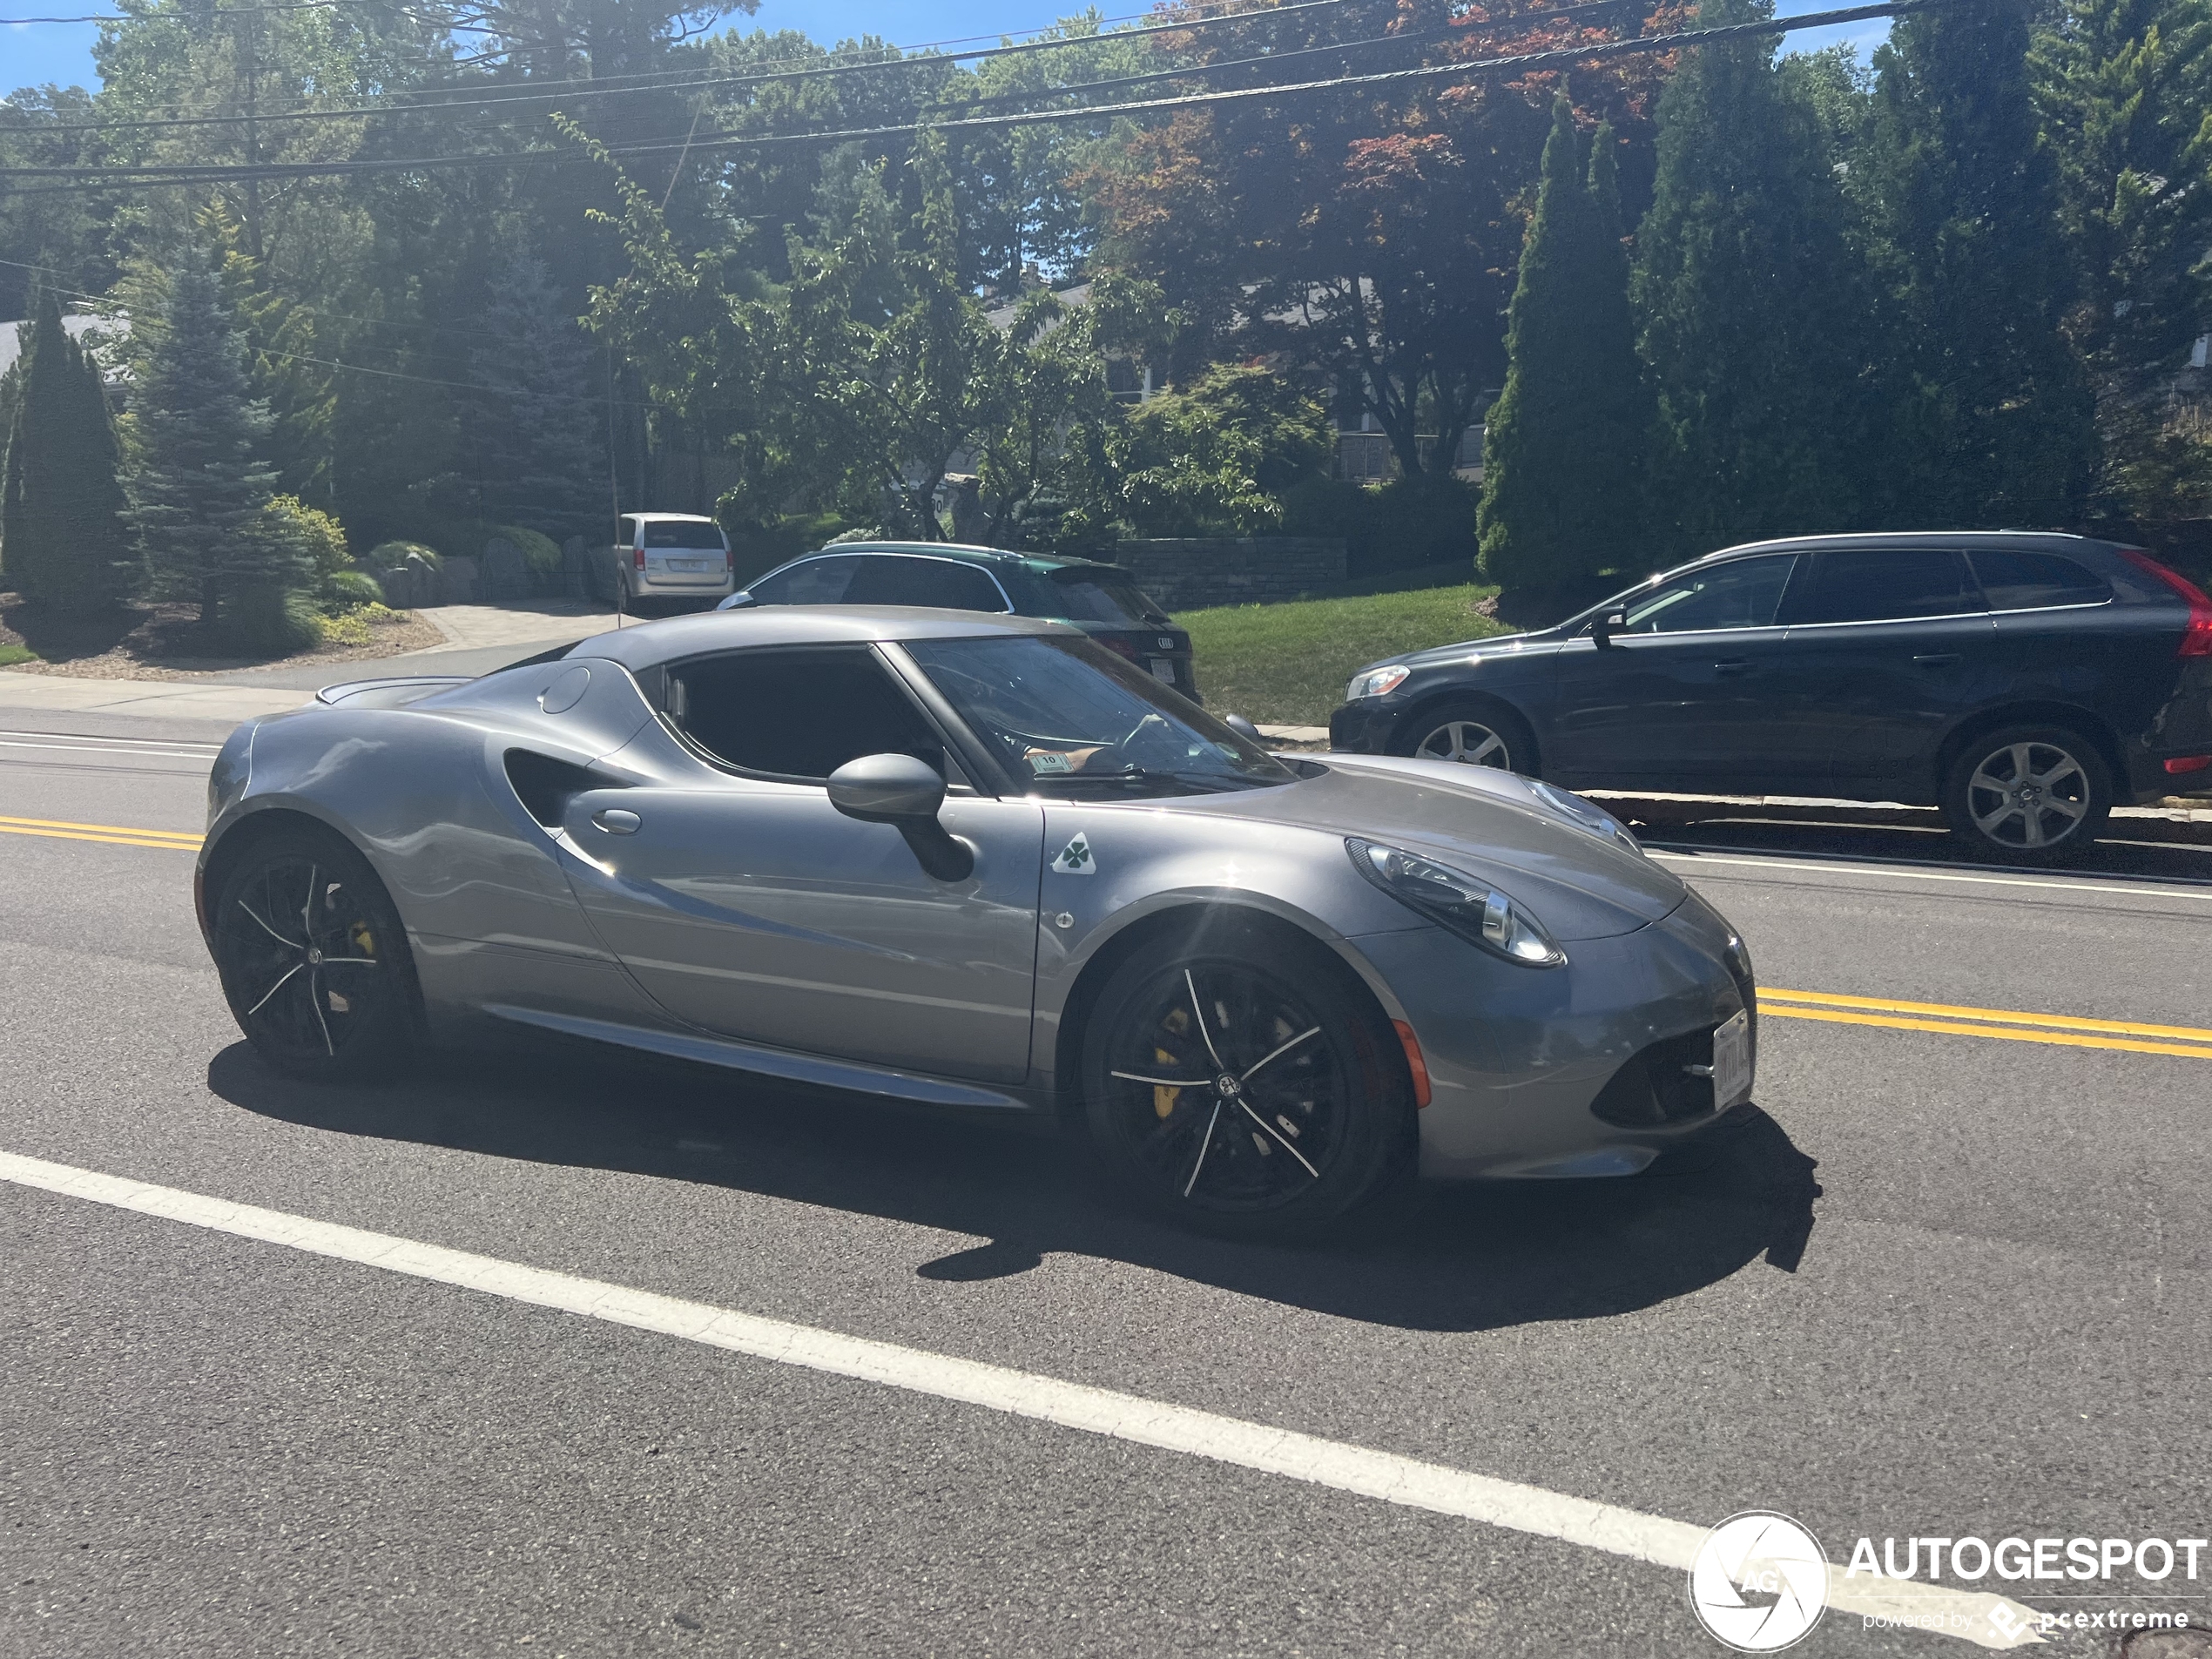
313	960
2029	796
1232	1097
1469	742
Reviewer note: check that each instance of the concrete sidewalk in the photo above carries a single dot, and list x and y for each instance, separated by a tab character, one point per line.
155	699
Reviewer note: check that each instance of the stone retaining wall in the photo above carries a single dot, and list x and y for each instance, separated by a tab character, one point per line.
1194	572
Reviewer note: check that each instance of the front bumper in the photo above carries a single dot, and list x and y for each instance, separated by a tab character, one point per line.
1364	728
1518	1059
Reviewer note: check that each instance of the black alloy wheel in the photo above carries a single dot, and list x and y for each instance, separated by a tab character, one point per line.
1244	1090
2028	795
313	960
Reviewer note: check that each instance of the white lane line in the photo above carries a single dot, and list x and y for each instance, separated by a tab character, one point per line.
1887	872
141	750
1354	1469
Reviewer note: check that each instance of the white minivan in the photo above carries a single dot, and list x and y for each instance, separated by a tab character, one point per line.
671	555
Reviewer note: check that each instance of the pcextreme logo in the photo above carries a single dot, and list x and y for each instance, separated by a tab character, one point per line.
1759	1582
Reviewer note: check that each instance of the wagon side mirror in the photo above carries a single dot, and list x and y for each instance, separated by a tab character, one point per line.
1602	629
1243	728
908	794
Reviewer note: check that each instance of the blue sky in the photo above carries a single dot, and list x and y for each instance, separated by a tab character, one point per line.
32	56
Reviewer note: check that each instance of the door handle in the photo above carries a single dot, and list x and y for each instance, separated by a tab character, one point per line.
1937	659
616	820
1733	665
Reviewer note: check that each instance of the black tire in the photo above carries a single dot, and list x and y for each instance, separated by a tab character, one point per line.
2028	794
1272	1136
1472	731
313	960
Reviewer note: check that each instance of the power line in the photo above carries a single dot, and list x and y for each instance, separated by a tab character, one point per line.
912	56
1517	64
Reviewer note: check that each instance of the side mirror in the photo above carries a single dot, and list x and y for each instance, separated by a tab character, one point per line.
737	601
1244	729
906	795
1601	629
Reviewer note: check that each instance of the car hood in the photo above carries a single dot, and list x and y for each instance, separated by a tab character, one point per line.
1497	645
1477	818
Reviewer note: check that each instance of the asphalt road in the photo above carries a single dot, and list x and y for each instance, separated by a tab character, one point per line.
1937	1284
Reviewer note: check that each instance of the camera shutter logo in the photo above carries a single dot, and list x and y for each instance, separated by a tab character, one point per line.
1759	1582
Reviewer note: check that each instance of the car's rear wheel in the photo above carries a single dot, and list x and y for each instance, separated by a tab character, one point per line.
2028	794
313	960
1236	1080
1471	733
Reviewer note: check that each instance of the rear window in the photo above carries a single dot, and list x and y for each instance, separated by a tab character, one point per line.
663	532
1886	584
2016	581
1078	595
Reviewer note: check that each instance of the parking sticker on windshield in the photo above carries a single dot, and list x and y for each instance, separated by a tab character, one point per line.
1044	760
1076	858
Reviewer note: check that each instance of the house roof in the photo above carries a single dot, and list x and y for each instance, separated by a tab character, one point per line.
77	325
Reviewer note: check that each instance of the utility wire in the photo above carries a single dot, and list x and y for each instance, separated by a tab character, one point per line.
539	92
1517	64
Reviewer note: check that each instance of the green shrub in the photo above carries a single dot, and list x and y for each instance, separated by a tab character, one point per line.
270	621
344	590
351	627
755	550
1407	523
389	556
1216	458
541	554
313	534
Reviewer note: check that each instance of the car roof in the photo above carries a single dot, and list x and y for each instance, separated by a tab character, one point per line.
650	643
965	553
2025	541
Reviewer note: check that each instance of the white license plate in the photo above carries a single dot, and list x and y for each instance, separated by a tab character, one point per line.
1164	669
687	566
1731	1060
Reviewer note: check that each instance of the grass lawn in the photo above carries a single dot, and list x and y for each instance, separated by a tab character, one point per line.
1286	664
11	655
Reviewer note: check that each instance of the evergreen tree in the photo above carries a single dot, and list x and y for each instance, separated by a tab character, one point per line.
1752	315
1563	449
61	527
2124	91
200	492
540	452
1995	424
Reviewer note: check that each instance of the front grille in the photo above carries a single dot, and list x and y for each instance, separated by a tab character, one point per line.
1652	1088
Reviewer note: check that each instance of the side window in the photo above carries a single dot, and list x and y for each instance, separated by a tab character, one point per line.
625	532
1886	584
1743	593
798	713
811	581
887	579
2030	581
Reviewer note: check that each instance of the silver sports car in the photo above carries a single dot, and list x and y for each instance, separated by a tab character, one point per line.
977	862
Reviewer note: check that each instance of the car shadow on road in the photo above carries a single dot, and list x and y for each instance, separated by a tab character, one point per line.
1448	1257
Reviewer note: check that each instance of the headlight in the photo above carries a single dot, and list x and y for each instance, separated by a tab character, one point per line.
1586	815
1376	682
1473	909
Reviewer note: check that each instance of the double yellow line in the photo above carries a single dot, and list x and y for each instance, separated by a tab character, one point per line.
2005	1024
113	834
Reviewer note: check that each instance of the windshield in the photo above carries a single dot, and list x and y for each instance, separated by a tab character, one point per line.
1075	720
1092	595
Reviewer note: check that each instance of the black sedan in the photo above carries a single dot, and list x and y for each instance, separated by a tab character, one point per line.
2024	683
1098	598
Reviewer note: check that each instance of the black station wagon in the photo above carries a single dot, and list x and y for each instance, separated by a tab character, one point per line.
2024	683
1098	598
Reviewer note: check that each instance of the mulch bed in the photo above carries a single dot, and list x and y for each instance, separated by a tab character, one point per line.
165	642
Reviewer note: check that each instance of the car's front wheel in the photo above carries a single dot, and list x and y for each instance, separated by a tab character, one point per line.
2028	794
1472	733
314	959
1237	1080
